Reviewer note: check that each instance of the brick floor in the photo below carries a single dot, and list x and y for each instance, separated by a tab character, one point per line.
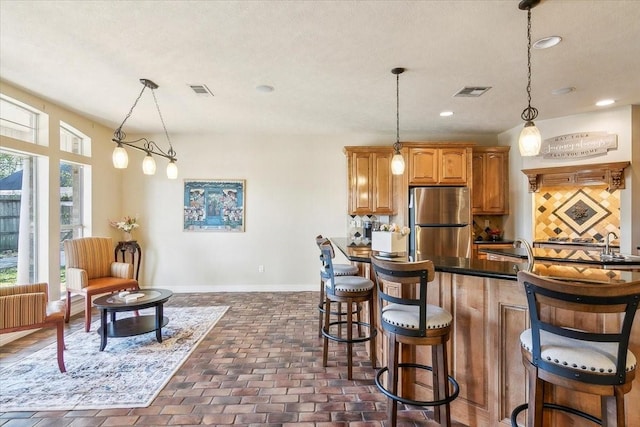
260	365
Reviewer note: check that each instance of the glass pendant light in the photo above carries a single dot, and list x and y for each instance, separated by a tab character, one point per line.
149	165
530	139
172	170
397	161
120	157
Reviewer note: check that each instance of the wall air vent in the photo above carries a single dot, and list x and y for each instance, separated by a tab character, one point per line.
472	91
201	90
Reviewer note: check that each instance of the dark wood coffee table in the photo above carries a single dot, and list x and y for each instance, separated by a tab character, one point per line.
131	326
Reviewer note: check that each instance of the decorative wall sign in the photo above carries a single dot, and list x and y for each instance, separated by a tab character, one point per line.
214	205
578	145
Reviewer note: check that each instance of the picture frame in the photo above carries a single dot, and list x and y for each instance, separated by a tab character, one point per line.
214	205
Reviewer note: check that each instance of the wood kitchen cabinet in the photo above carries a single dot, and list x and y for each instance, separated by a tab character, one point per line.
490	195
438	166
370	180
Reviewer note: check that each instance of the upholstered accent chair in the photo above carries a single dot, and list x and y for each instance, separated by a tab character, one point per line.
24	307
92	270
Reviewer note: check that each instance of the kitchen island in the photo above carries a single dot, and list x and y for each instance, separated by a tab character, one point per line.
490	311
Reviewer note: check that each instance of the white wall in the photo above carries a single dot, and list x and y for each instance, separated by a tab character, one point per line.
296	188
614	120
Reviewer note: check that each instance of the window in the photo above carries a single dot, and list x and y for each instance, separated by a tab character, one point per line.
18	239
72	208
17	122
73	141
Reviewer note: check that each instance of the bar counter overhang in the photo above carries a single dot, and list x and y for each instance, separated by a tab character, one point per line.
490	312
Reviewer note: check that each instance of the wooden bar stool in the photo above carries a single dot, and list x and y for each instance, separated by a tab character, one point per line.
351	290
338	270
595	361
409	320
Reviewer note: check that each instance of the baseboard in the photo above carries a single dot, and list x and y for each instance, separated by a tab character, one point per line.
238	288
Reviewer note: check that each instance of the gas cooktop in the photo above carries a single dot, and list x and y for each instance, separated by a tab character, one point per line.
574	240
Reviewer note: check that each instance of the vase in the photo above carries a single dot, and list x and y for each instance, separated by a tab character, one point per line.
127	236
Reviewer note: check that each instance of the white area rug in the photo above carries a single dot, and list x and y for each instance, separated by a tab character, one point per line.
129	373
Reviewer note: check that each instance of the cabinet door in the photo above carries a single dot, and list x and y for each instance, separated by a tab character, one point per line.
477	195
423	166
453	166
360	173
490	180
496	186
382	190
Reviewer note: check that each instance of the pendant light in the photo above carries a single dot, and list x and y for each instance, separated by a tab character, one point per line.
530	139
121	159
397	161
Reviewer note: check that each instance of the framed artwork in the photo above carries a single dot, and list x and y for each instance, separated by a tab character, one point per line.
214	205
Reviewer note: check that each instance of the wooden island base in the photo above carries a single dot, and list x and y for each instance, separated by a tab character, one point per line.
489	315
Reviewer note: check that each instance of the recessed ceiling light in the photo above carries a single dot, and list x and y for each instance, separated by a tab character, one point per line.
563	90
605	102
264	88
546	42
446	114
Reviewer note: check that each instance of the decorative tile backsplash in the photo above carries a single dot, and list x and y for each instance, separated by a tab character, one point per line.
586	212
355	227
483	223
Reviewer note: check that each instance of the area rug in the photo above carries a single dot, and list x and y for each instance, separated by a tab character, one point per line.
129	373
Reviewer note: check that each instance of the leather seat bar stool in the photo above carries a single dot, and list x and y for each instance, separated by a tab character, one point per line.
338	270
350	290
589	361
406	318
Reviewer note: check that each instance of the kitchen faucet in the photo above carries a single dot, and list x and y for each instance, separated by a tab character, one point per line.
607	243
522	242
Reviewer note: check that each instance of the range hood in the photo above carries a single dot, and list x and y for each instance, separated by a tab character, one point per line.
610	174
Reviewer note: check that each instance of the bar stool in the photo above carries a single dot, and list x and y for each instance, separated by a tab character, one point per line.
594	362
408	319
350	290
338	270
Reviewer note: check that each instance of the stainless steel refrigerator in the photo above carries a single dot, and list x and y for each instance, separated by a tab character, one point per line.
440	219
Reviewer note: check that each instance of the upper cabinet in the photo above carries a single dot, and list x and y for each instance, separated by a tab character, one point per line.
490	167
438	165
370	180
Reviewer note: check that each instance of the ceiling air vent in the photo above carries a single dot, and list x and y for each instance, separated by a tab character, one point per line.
472	91
201	90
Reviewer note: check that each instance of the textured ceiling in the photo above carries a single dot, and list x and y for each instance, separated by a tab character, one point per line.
329	61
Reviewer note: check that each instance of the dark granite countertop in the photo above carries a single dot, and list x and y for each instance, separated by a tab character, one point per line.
493	242
566	255
499	269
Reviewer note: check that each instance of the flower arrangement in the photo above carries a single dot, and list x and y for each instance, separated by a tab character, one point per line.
495	234
394	228
127	224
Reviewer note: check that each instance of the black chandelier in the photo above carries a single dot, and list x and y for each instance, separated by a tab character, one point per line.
530	139
120	157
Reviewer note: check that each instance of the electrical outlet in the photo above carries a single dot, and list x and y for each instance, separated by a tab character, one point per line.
486	223
261	269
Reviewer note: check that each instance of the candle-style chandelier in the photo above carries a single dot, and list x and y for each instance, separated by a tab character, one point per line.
120	157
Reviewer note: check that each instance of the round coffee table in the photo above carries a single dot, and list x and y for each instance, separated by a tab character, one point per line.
136	325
